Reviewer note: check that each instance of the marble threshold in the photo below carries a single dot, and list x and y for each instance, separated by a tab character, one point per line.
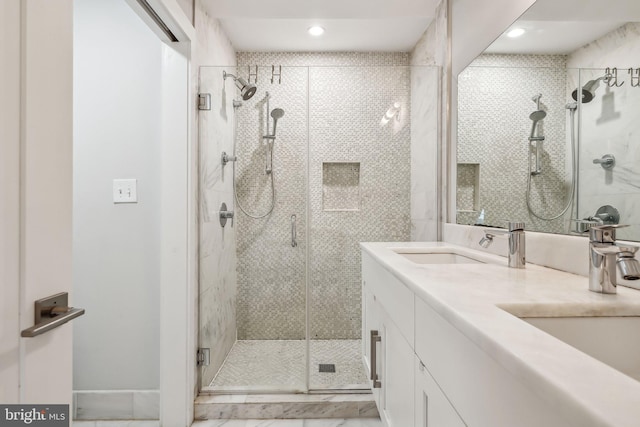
285	406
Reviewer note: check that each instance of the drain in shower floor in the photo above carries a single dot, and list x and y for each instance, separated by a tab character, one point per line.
327	367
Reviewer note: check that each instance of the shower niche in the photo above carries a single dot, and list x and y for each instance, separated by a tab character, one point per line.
467	195
341	186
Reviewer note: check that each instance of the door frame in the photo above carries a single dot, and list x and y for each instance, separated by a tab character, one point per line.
179	213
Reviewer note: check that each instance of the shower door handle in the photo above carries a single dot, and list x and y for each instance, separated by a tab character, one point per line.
375	338
294	232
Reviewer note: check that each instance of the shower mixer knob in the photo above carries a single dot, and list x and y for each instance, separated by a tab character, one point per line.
225	214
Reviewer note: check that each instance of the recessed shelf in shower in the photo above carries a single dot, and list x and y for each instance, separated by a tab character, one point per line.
341	186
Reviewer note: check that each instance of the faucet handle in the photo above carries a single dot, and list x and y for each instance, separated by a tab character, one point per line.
605	233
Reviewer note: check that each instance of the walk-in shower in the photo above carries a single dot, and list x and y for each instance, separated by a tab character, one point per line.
280	295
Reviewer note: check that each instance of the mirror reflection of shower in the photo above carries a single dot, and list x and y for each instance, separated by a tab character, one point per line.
536	138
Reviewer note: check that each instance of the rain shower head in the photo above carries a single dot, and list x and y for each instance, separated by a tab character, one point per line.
276	114
247	90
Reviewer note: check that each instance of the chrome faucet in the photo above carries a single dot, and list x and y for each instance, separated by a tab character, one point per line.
516	252
604	254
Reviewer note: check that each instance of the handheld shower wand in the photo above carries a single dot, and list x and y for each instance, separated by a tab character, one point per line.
536	117
276	114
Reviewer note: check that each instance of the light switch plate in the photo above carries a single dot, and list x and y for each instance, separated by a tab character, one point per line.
125	191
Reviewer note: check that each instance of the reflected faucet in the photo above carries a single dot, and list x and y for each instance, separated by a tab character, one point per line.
516	252
604	254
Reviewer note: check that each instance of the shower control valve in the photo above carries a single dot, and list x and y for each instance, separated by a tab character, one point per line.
225	214
227	158
608	161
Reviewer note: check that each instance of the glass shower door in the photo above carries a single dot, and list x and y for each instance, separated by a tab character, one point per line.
253	286
360	189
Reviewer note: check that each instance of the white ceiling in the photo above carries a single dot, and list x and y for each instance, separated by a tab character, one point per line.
351	25
561	27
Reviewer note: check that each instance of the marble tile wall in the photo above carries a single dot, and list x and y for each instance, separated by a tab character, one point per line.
424	147
288	406
494	103
339	121
428	130
217	246
609	125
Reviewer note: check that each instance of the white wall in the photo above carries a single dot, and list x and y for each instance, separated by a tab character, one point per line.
117	100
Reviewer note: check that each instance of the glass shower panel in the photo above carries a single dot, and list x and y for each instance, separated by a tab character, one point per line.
360	130
608	160
253	285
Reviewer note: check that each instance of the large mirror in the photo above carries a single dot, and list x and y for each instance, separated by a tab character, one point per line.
533	147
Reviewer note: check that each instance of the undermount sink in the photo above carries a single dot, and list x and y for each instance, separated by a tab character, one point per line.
436	257
614	341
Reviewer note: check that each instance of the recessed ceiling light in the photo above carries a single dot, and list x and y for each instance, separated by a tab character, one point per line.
316	30
516	32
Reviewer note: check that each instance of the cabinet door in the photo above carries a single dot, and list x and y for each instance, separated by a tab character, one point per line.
432	408
371	322
397	376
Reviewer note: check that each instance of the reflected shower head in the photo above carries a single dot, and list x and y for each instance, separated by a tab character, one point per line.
247	90
536	116
276	114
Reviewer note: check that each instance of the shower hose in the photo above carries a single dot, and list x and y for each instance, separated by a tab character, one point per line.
572	112
273	187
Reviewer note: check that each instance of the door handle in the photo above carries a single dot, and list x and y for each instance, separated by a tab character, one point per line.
51	312
375	338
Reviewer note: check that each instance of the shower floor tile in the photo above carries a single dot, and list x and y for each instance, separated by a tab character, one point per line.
280	364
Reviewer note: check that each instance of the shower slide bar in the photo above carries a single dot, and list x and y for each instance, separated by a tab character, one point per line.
294	232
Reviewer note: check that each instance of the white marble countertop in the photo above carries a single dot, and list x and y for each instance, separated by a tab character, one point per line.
474	297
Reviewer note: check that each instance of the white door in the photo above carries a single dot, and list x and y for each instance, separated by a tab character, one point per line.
36	71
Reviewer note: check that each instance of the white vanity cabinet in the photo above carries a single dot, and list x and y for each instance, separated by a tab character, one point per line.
432	408
392	352
433	375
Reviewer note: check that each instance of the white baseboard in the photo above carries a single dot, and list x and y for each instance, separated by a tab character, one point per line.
116	405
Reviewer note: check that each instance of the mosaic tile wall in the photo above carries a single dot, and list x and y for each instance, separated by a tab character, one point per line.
467	187
339	121
494	104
